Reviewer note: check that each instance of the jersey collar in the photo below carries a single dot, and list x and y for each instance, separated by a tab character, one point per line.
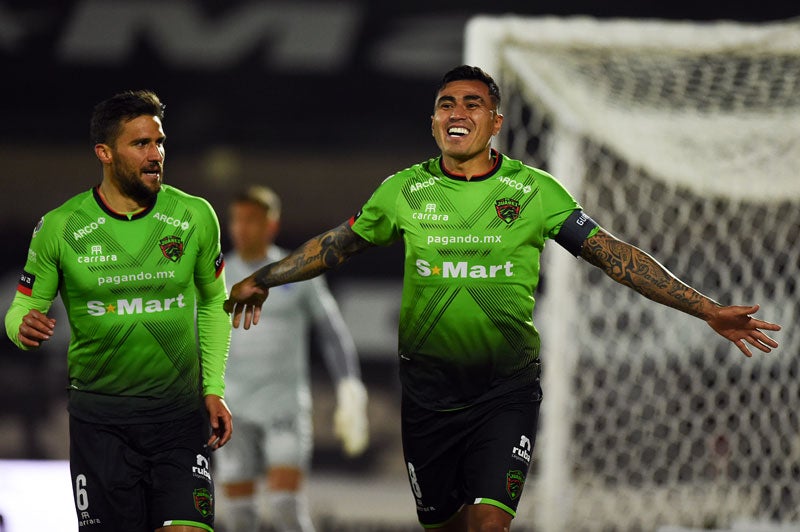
496	157
118	215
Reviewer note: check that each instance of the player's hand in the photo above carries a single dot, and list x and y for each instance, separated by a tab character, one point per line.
736	324
35	328
246	298
221	421
350	422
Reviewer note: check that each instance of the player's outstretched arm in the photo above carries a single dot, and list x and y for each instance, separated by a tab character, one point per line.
318	255
632	267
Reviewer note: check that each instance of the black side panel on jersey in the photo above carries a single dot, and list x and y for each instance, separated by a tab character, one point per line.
574	231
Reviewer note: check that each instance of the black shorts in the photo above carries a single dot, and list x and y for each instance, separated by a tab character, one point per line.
136	478
475	455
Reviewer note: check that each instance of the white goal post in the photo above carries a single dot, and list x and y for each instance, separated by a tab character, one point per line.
684	139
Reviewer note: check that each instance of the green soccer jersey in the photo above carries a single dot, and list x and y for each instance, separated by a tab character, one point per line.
472	250
132	286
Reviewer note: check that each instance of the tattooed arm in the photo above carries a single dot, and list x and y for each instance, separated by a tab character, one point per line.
632	267
321	253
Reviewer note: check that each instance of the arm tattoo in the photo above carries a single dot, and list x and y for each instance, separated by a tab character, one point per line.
632	267
321	253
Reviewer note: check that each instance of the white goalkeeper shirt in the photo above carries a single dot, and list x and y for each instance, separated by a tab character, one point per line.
267	377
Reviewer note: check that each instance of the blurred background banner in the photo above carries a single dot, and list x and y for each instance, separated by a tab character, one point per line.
321	99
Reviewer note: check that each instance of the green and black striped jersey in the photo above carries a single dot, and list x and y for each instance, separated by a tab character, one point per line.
132	286
472	251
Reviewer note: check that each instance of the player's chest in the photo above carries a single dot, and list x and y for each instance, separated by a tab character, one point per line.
495	220
114	254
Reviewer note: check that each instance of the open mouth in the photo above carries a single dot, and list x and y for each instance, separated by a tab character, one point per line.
457	131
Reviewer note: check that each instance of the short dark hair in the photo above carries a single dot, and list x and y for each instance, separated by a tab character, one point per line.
466	72
109	115
262	196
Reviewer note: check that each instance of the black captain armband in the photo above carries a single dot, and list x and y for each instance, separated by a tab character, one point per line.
574	231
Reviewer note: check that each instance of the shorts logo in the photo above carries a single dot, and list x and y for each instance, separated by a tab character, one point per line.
507	209
172	247
515	480
523	452
203	502
201	470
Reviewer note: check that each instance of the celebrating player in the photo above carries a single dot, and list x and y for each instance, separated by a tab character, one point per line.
267	379
133	259
474	223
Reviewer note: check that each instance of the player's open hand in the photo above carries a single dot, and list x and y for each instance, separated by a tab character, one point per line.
246	298
35	328
736	324
219	415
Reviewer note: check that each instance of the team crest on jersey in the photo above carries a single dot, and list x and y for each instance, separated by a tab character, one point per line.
203	501
507	209
515	480
172	247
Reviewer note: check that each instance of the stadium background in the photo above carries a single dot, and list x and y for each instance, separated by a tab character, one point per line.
318	99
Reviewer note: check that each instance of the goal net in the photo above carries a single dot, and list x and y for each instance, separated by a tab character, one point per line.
683	139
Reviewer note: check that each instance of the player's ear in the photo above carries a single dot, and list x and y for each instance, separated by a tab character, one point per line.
498	123
103	152
432	133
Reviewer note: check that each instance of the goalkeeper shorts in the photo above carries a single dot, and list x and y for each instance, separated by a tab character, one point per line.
286	441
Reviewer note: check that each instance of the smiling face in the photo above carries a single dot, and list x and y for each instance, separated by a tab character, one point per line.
135	161
463	123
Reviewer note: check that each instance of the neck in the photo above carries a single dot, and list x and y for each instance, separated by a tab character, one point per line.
254	254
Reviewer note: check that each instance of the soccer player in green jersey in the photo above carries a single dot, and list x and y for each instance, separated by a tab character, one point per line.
134	260
474	223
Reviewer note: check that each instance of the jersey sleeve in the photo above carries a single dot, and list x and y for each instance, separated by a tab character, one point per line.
557	202
38	282
561	206
210	261
336	342
213	323
377	221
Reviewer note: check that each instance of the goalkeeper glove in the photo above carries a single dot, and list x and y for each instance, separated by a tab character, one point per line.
350	418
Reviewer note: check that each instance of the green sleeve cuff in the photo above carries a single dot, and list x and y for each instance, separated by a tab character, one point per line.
18	309
214	330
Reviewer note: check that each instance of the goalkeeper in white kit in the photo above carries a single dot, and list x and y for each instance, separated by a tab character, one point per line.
267	381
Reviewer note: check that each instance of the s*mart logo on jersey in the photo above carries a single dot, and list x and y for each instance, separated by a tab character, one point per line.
464	270
136	305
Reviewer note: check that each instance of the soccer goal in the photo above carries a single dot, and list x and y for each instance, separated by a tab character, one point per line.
683	139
